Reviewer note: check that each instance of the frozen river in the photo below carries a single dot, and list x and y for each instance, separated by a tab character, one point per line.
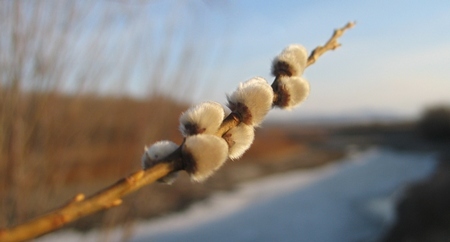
346	201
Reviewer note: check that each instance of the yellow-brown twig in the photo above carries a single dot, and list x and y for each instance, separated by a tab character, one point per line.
332	44
111	196
80	207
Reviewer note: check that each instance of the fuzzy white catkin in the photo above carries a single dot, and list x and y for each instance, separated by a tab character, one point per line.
155	153
239	139
254	80
204	118
252	100
295	56
294	90
209	153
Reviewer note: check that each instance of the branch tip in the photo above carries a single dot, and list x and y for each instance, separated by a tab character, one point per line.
331	44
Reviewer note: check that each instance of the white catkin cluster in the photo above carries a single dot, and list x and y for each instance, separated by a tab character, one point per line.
288	68
204	150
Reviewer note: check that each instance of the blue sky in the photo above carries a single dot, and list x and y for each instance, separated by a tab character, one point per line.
395	60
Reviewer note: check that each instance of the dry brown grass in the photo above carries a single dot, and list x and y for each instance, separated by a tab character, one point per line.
76	141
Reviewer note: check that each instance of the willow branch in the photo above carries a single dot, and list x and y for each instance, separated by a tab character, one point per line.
80	207
112	196
332	44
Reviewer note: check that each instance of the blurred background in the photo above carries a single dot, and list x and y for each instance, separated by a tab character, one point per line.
85	85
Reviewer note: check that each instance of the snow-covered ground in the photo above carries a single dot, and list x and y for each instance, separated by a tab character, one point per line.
351	200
